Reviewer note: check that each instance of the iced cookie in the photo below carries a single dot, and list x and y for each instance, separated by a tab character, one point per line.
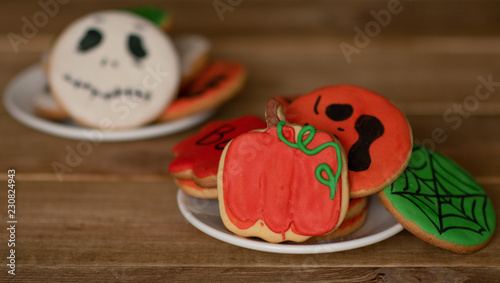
113	68
216	84
197	157
283	183
439	202
194	53
374	132
354	219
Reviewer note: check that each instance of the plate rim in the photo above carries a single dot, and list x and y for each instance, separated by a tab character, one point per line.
77	132
281	248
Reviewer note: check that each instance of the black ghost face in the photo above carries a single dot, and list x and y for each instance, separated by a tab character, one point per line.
369	128
90	41
115	65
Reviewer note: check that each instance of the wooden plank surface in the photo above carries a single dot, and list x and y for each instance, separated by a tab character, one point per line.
114	218
137	226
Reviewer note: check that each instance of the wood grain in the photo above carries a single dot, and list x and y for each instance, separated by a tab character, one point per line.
92	224
288	17
114	217
73	228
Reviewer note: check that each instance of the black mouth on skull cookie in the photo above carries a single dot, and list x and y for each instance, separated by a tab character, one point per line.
369	129
93	91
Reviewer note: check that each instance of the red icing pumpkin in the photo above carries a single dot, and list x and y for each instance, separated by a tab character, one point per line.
374	132
269	189
198	156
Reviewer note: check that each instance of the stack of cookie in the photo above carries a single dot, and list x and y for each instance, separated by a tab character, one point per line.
121	68
306	175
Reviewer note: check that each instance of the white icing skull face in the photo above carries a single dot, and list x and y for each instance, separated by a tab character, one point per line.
114	70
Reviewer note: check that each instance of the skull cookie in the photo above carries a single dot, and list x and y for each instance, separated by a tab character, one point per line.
113	68
374	132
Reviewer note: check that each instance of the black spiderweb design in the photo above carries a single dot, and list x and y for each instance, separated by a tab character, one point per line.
445	193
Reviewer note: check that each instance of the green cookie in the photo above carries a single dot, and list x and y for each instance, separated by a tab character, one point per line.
441	203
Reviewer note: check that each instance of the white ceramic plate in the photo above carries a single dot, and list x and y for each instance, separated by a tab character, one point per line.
204	215
18	100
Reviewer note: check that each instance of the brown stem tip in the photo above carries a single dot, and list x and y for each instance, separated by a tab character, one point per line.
272	108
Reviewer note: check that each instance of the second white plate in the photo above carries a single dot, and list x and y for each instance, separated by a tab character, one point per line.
204	215
18	100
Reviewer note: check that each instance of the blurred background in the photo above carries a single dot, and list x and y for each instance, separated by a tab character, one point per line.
425	56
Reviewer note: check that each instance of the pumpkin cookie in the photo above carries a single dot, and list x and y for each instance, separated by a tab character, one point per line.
439	202
374	132
197	157
354	219
283	183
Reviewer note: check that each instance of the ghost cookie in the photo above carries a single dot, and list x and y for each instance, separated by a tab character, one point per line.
374	132
194	53
216	84
113	68
197	157
283	183
439	202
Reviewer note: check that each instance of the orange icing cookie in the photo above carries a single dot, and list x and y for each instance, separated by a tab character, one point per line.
374	132
197	157
219	82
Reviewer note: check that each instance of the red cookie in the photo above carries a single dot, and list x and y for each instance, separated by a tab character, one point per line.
197	157
283	183
219	82
354	219
374	132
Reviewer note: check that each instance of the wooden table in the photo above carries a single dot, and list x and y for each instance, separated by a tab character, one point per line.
114	218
